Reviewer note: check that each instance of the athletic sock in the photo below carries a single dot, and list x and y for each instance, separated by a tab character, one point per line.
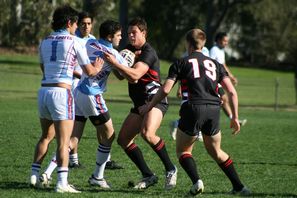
230	171
188	164
135	154
73	158
51	167
160	149
35	168
62	176
101	159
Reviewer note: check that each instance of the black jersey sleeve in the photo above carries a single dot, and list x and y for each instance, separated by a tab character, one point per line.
148	56
175	70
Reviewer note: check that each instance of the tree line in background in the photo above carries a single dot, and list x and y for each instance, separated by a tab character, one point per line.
262	32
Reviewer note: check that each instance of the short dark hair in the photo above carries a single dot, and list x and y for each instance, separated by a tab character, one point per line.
62	15
139	22
220	36
82	15
109	27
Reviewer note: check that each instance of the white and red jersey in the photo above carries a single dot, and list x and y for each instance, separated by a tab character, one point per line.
59	53
83	41
77	68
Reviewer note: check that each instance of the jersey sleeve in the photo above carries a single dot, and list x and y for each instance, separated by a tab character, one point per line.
148	57
174	70
81	52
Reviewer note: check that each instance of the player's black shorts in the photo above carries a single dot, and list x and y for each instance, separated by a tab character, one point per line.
100	119
96	120
195	118
163	106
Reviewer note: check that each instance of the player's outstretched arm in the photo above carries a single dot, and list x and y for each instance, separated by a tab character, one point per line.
94	68
160	95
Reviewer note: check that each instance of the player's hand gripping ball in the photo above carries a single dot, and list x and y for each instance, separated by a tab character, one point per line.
128	56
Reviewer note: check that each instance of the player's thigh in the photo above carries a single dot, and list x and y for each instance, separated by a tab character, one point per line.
152	121
48	129
130	128
184	143
105	132
212	143
78	128
63	130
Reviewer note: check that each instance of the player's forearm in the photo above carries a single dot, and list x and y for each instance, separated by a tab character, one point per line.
234	104
160	95
228	70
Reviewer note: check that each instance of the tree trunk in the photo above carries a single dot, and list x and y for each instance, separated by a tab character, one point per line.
124	22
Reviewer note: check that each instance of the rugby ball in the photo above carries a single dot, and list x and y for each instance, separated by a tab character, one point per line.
129	56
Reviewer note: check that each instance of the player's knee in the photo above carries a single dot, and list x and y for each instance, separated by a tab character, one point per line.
45	139
148	137
217	155
110	138
120	141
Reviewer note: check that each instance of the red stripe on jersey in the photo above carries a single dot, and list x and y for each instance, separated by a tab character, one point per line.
153	72
70	103
150	76
184	81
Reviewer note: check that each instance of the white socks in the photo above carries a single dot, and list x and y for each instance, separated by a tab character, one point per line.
103	155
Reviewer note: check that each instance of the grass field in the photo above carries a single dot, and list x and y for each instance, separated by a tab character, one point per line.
264	152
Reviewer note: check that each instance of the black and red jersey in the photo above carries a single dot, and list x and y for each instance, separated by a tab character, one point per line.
150	82
200	75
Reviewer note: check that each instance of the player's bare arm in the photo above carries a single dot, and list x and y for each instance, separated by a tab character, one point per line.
117	74
228	86
94	68
76	74
160	95
132	74
232	77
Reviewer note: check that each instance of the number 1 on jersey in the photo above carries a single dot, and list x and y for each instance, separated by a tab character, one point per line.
195	66
54	51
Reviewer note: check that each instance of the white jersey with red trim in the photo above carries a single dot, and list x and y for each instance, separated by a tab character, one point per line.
59	53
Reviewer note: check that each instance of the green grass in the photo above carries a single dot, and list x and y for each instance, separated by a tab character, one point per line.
264	152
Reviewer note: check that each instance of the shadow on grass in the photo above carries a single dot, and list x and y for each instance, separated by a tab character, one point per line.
268	163
19	185
18	62
150	192
254	194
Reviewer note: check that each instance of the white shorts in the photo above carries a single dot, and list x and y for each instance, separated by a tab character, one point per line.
74	83
55	103
89	105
